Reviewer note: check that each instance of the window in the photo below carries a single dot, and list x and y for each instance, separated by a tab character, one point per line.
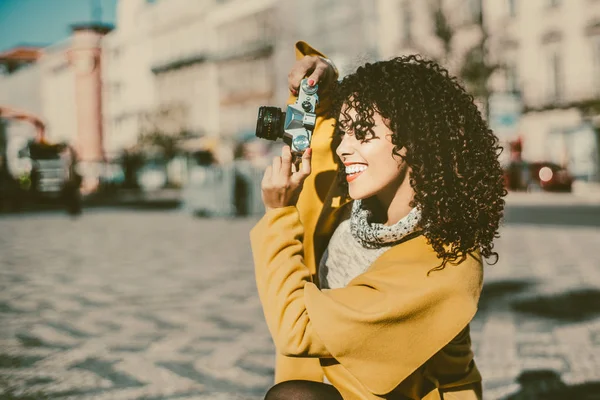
596	62
512	8
115	53
512	78
555	76
407	18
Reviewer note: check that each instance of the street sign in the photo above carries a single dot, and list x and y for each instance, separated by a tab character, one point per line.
505	114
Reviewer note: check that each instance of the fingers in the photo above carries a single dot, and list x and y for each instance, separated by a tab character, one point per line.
266	180
286	161
276	165
282	181
281	167
300	69
305	168
319	74
306	160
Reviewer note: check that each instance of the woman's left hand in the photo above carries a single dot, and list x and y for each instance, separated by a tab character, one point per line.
283	180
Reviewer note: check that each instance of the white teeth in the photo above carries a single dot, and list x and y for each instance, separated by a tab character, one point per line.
355	168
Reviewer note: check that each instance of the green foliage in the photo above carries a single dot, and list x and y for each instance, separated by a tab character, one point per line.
167	145
475	67
442	27
476	72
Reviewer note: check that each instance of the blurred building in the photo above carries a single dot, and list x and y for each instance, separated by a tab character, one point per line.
245	38
43	86
201	67
414	29
20	79
552	48
129	92
204	67
344	30
72	86
547	88
57	89
60	84
184	79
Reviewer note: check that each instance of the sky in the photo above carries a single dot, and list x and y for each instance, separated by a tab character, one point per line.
44	22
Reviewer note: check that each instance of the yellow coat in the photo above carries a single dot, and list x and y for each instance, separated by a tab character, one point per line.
394	332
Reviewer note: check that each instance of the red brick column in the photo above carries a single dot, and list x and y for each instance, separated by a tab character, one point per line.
85	59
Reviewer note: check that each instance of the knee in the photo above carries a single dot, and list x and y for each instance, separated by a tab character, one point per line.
280	391
302	390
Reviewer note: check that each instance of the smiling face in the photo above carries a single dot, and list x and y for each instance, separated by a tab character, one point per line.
371	167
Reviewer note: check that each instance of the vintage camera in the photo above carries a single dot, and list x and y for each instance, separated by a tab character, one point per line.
295	126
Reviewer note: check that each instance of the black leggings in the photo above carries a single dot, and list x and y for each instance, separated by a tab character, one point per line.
303	390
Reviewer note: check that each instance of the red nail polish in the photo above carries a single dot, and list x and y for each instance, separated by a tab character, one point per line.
311	82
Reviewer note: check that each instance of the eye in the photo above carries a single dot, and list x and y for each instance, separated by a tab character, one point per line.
366	137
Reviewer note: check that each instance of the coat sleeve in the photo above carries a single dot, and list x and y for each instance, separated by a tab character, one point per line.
383	326
280	277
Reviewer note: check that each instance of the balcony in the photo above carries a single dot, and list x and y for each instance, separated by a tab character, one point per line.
252	50
179	63
589	105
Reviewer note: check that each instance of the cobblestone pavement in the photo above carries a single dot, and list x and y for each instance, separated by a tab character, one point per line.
155	305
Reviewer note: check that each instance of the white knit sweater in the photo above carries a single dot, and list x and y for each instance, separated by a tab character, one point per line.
346	257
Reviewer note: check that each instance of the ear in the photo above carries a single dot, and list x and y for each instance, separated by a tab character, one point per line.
399	155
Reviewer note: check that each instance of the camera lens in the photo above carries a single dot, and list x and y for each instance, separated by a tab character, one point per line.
270	123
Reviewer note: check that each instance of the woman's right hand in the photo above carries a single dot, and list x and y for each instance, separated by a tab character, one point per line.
316	69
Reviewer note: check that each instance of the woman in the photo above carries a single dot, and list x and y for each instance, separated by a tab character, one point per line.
399	243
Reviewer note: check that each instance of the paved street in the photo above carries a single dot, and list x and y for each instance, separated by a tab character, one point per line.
159	305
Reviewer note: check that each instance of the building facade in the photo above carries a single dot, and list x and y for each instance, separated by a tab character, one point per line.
59	107
344	30
185	79
242	53
20	88
63	88
20	80
547	52
551	48
205	67
129	92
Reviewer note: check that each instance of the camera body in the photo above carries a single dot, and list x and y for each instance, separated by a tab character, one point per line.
295	126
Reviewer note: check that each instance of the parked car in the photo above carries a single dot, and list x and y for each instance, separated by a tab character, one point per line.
42	173
536	176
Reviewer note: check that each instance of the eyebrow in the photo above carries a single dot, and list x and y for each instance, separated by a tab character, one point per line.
345	124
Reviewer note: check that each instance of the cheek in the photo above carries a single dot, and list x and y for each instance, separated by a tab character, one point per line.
384	162
384	170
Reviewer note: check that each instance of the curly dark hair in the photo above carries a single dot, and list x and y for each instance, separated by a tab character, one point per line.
456	175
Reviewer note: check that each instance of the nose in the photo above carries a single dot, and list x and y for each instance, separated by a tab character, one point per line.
345	148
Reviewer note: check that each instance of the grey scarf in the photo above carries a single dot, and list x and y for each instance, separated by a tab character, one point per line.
373	235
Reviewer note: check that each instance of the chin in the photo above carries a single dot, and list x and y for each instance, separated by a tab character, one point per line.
358	194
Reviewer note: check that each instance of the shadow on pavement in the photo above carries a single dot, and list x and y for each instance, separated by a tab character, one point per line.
547	385
574	306
566	215
497	291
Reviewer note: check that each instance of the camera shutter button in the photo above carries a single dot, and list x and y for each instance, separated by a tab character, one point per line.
307	106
